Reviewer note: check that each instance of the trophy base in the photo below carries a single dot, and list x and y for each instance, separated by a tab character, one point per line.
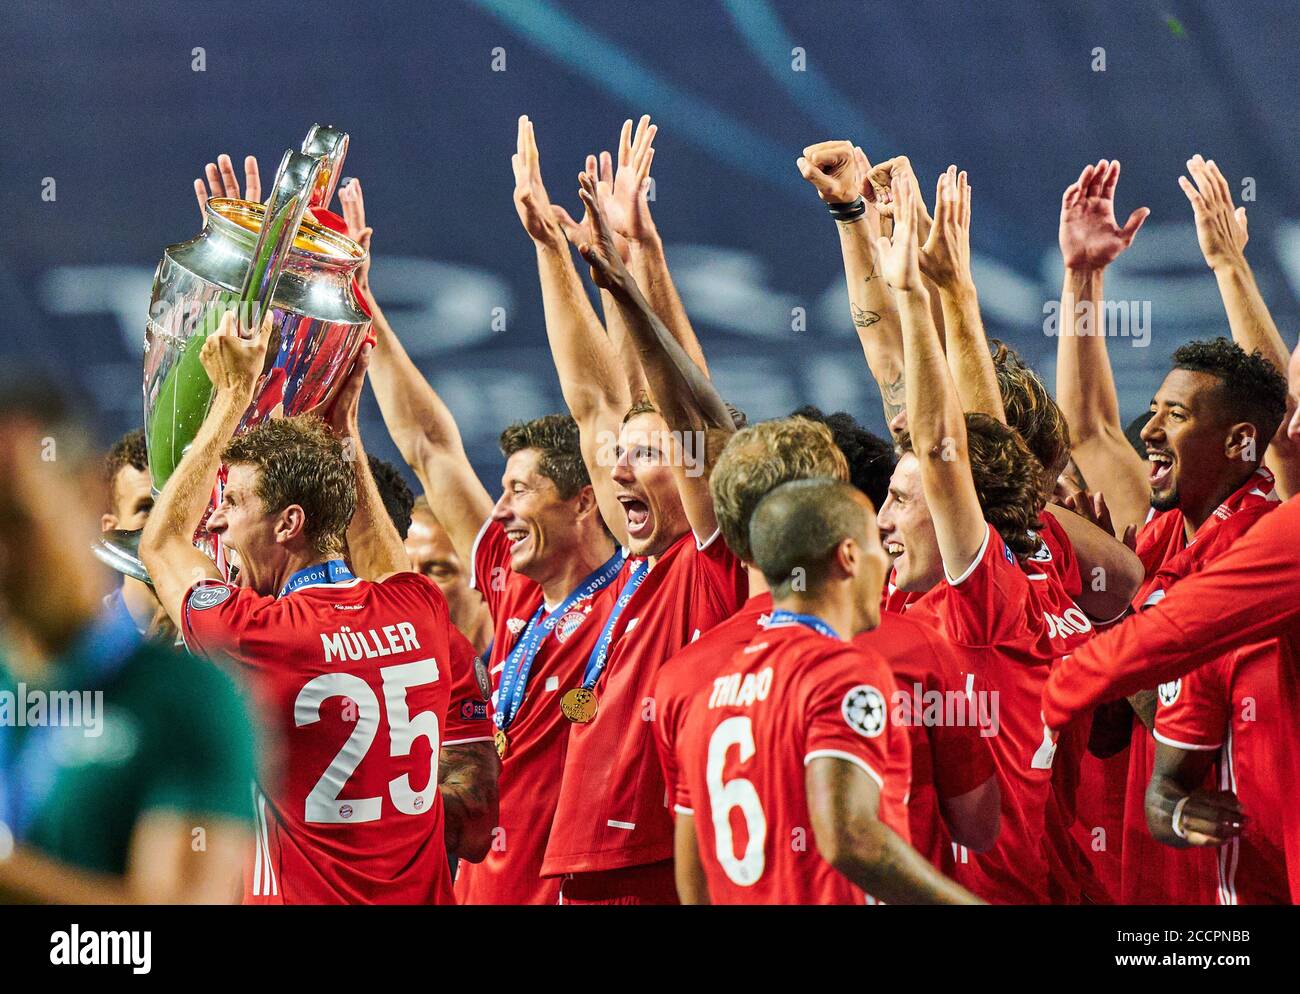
120	550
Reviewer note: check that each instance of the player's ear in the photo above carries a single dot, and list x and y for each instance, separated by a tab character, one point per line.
585	502
290	523
848	557
1242	443
108	523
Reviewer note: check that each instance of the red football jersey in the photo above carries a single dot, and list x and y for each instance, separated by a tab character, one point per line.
613	810
1245	595
950	747
686	672
467	716
354	681
789	697
529	783
1008	628
949	755
1153	873
1056	555
1225	706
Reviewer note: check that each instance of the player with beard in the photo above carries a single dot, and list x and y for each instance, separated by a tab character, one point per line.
959	521
612	836
335	660
546	568
797	729
1205	481
954	793
1244	596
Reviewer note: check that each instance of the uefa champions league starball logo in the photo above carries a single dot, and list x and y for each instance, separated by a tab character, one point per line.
864	710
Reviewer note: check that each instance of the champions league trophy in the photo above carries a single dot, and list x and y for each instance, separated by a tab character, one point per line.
251	258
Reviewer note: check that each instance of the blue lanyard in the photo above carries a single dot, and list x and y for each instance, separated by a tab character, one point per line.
514	672
783	619
334	571
600	652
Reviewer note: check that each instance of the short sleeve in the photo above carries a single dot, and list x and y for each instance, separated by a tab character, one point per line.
467	709
1195	711
986	604
216	617
206	765
848	712
719	583
668	715
490	563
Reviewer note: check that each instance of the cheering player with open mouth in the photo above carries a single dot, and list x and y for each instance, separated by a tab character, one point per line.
612	836
352	675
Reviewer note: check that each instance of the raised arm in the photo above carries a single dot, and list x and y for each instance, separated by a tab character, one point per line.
838	172
935	418
375	549
1221	232
843	802
594	389
1085	387
945	259
580	233
685	397
419	423
233	364
630	217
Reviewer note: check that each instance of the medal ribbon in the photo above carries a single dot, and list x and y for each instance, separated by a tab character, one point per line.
783	619
334	571
600	652
514	672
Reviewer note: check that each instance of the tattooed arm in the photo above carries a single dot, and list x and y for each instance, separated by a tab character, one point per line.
838	171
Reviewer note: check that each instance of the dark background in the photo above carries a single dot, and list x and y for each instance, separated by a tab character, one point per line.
102	98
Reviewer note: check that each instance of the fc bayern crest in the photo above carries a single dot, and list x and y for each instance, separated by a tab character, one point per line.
864	710
1168	692
568	624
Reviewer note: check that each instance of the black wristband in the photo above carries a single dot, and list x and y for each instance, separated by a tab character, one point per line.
850	211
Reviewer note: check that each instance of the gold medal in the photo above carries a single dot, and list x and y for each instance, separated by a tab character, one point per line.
502	742
579	705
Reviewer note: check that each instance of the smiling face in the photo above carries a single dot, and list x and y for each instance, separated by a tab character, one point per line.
872	569
646	486
1186	441
907	530
541	525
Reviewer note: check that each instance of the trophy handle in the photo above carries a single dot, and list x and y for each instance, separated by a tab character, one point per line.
330	145
294	182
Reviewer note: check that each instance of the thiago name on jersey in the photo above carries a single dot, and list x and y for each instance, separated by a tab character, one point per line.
369	643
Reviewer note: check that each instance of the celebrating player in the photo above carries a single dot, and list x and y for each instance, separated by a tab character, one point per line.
1205	480
353	674
954	794
612	836
799	729
548	571
962	508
